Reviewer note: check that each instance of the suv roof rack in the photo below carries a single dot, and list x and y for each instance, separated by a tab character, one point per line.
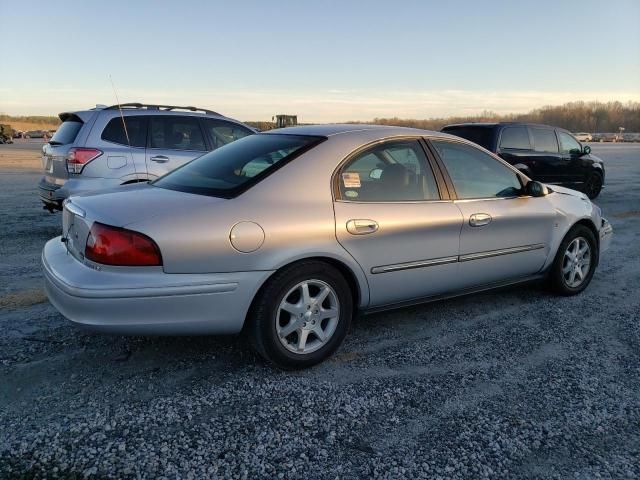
164	108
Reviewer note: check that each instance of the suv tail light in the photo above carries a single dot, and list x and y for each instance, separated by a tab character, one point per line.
77	158
118	246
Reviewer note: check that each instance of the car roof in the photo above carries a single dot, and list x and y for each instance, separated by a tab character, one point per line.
329	130
499	124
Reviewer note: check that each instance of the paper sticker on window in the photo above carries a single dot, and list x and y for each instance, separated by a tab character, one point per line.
351	179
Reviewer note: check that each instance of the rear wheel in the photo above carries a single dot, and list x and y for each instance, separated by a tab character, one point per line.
593	186
575	262
302	315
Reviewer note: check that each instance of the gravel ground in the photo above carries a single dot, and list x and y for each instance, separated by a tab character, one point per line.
510	384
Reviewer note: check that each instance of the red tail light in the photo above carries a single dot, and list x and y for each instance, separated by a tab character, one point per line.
118	246
77	158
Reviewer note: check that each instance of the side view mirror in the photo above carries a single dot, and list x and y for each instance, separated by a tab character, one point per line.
586	150
376	173
536	189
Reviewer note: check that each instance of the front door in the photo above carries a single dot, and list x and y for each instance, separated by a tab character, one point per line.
504	234
173	141
571	151
391	217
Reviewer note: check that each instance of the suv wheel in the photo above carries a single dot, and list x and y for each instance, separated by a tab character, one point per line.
593	186
301	316
575	262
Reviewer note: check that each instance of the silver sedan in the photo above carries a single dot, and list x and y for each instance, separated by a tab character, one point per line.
287	235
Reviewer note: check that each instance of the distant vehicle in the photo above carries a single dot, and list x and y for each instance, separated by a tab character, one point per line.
6	133
18	134
92	149
547	154
283	121
333	220
35	134
583	137
631	137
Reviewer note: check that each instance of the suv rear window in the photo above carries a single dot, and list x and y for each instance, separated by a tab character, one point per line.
136	130
66	133
516	138
480	134
230	170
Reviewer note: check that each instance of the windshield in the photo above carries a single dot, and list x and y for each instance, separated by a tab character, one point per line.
230	170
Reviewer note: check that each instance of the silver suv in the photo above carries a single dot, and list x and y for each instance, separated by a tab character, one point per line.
109	146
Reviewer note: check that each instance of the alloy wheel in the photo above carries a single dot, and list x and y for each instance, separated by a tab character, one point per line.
307	316
576	262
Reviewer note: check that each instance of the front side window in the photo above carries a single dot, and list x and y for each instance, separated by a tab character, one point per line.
390	172
568	144
229	170
544	140
176	133
516	138
135	134
222	132
476	174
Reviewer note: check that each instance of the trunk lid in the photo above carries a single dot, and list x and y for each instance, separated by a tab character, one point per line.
123	206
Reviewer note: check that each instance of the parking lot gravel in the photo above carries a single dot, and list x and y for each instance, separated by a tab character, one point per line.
515	383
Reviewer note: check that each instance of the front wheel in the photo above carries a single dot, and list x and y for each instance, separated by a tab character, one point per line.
575	262
301	316
593	186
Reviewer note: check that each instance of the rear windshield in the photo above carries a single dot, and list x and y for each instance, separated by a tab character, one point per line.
66	133
230	170
482	135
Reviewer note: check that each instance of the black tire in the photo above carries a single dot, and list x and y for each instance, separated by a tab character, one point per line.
593	185
261	323
556	278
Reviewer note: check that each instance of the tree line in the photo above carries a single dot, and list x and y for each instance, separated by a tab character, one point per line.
574	116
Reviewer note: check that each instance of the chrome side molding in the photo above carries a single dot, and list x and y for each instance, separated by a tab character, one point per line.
462	258
497	253
409	265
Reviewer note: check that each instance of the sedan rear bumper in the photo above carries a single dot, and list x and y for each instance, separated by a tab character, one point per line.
147	301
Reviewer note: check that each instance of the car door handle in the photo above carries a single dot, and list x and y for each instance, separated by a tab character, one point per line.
479	219
160	159
361	227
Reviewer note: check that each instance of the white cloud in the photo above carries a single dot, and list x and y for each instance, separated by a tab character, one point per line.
311	106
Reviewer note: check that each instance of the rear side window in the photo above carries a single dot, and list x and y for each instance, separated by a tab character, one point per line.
482	135
544	140
391	172
222	132
136	131
176	133
66	133
516	138
229	170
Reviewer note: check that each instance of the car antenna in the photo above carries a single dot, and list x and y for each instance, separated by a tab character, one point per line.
124	125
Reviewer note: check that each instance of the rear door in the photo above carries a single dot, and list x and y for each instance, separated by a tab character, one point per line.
396	220
547	163
173	140
504	235
515	146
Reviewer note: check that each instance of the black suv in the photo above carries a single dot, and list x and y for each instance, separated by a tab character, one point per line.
547	154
